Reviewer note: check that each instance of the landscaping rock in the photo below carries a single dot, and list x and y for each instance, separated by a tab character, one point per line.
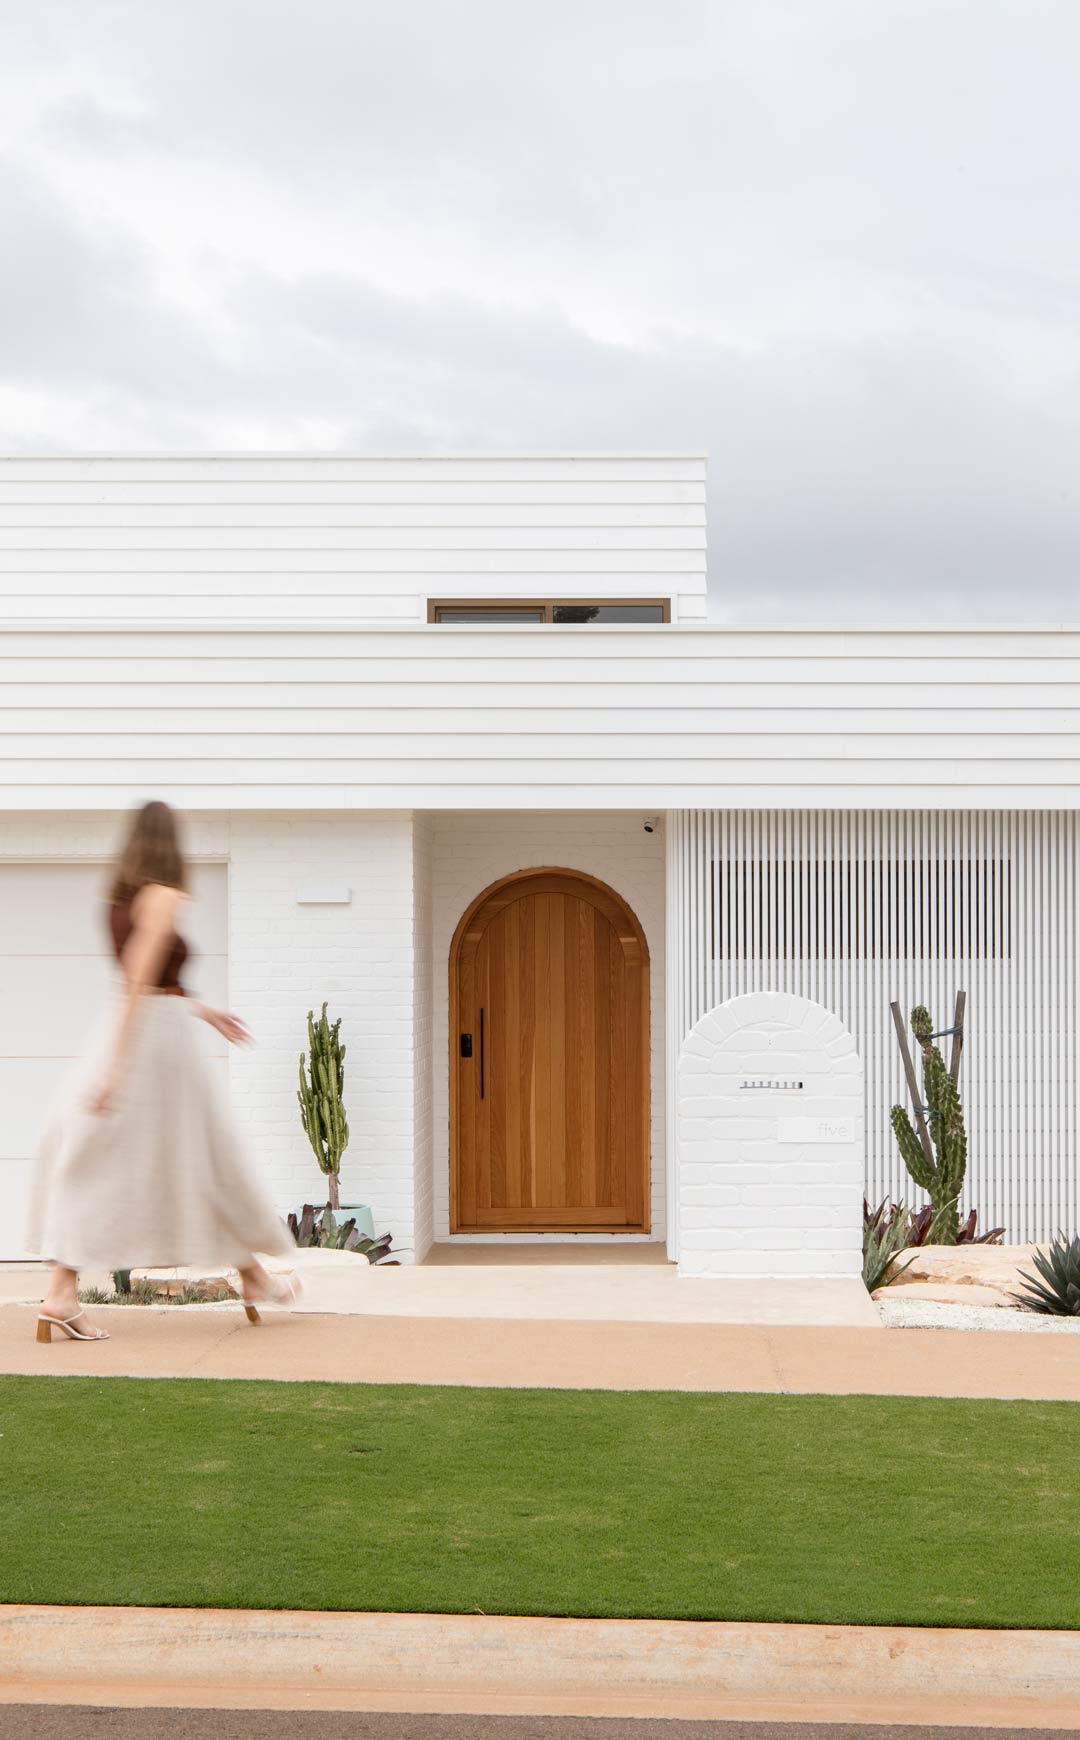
208	1287
964	1271
912	1311
941	1293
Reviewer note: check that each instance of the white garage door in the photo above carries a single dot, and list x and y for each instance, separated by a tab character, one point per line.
56	975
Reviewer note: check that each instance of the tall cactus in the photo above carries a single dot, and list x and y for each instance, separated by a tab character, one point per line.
322	1108
942	1178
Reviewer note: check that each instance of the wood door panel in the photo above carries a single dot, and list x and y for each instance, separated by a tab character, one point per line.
550	1116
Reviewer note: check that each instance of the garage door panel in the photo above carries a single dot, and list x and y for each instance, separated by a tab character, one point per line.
29	1089
207	978
53	909
53	1007
14	1202
60	909
49	1004
206	916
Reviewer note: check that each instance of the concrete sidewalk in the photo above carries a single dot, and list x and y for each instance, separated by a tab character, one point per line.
217	1342
574	1286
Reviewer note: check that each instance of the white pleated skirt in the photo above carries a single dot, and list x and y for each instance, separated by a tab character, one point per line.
161	1179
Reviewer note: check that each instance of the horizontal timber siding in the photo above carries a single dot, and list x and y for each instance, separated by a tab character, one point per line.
176	541
538	717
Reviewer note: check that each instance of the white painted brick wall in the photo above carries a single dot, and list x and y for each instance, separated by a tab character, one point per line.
423	1080
286	959
471	851
750	1203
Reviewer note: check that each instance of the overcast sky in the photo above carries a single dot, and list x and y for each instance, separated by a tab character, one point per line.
833	244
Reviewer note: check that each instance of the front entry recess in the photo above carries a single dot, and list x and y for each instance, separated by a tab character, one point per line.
549	1060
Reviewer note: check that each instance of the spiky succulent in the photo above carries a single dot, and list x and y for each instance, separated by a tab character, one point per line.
1058	1292
319	1229
885	1231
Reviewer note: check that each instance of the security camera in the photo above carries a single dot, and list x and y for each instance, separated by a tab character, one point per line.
650	823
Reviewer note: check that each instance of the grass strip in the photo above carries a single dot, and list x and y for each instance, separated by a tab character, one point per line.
853	1509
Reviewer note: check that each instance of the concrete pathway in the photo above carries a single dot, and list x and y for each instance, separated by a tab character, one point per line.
577	1286
216	1342
67	1722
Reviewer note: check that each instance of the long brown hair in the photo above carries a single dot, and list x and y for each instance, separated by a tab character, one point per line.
151	853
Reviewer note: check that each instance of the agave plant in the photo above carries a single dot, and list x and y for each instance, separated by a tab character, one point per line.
885	1235
319	1229
1058	1292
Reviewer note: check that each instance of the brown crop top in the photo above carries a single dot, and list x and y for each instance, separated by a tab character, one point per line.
121	924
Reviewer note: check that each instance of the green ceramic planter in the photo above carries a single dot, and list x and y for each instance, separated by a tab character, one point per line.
361	1213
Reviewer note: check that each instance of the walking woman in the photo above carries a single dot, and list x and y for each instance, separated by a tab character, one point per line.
144	1168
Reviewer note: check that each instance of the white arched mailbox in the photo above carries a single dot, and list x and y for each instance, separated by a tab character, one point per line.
770	1141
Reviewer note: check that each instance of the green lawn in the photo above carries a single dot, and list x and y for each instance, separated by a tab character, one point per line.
856	1508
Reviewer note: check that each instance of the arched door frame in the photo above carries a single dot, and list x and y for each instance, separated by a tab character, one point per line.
500	894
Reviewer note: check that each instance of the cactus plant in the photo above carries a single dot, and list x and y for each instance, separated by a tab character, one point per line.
1057	1294
322	1108
942	1176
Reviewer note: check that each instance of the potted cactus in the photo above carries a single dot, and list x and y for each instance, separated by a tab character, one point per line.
322	1110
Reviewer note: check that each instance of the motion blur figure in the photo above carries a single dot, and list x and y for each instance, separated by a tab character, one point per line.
142	1165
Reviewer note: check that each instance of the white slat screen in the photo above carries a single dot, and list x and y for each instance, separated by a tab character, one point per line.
855	908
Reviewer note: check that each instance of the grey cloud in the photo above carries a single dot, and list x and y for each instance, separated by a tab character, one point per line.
833	246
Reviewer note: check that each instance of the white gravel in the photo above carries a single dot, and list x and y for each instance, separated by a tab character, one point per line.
930	1314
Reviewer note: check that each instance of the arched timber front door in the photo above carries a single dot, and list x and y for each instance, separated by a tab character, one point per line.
549	1060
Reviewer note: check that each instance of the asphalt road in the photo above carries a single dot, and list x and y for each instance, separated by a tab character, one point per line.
63	1722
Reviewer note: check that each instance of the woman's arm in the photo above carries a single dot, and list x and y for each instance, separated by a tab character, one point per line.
154	929
229	1026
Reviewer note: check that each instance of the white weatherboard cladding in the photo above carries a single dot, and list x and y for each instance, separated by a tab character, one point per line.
854	909
770	1141
538	717
357	540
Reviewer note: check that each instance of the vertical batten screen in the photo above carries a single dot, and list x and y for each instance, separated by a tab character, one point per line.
855	908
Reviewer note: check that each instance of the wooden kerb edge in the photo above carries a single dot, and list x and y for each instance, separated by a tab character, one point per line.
210	1658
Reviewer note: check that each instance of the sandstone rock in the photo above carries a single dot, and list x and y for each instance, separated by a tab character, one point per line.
985	1265
965	1270
941	1293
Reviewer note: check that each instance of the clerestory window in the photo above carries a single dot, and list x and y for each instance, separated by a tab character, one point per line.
549	610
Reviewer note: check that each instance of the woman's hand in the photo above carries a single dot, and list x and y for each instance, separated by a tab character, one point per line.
229	1026
102	1098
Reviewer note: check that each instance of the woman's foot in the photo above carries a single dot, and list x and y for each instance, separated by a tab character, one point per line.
257	1287
65	1310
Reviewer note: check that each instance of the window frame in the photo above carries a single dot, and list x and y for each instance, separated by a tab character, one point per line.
547	606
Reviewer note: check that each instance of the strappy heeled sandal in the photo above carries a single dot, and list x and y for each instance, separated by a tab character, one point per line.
46	1325
283	1290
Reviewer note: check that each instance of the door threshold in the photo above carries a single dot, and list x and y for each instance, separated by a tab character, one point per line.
557	1253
